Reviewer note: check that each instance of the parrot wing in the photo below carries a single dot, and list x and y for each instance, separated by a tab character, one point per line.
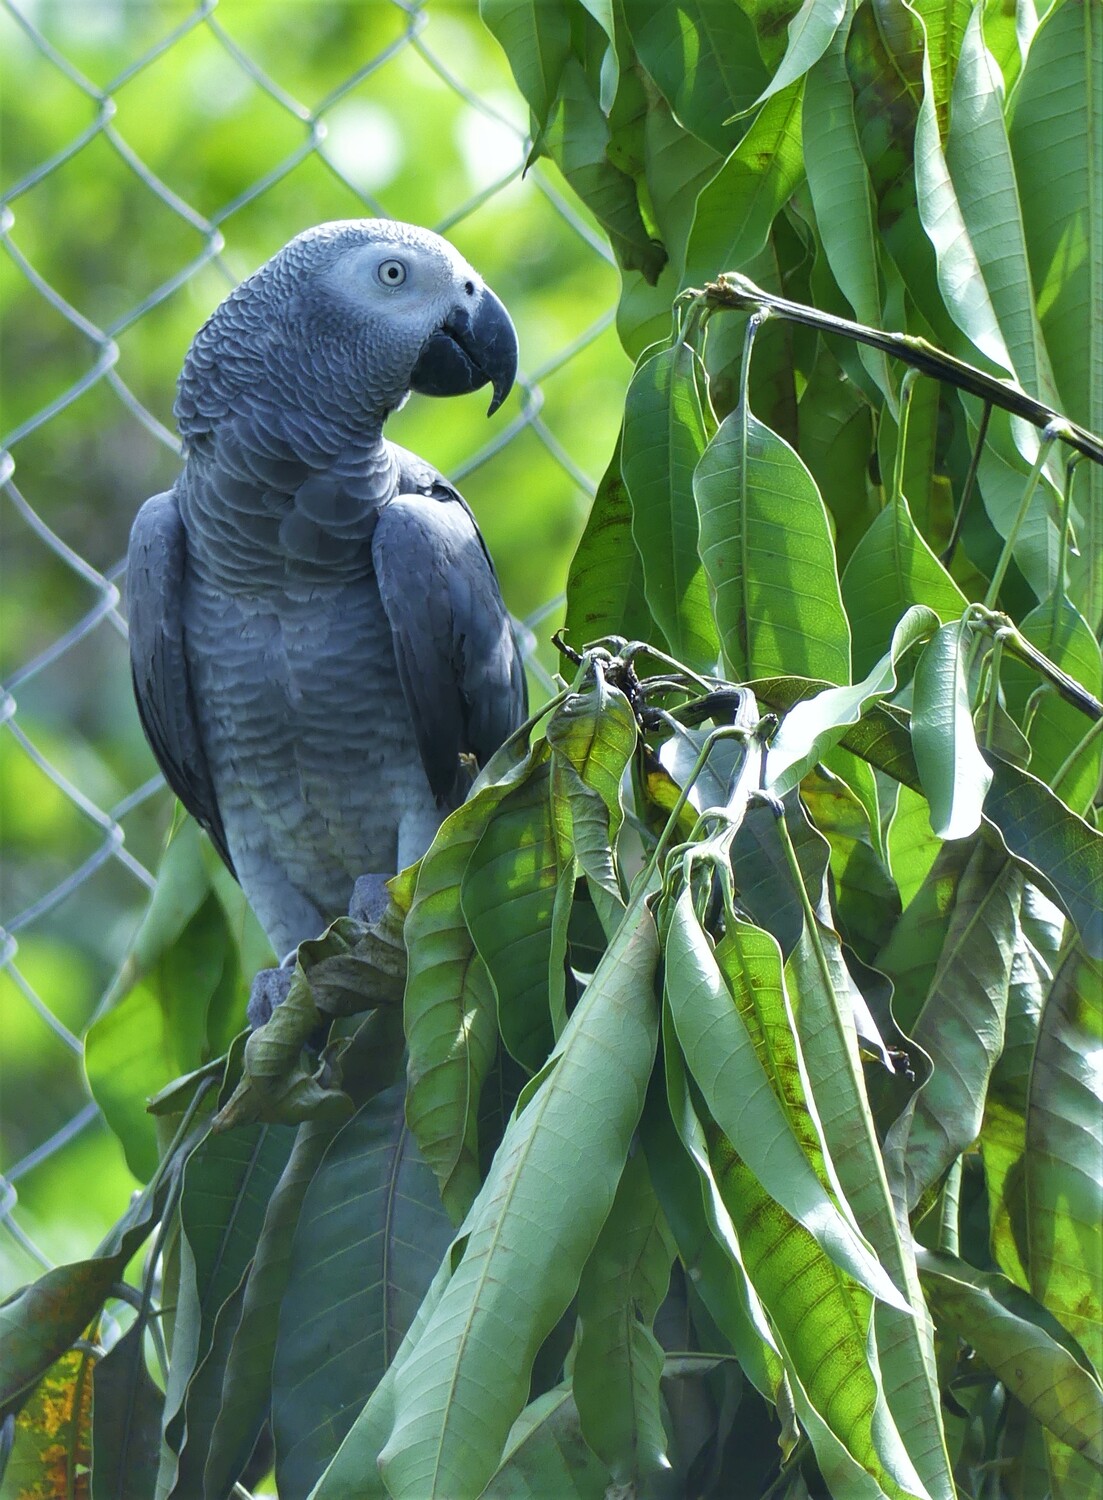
154	589
458	659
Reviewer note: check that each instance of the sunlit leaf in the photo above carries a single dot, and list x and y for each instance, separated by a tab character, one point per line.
1064	1160
1024	1345
736	210
955	775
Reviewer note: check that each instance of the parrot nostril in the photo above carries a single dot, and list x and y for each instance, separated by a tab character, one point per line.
469	288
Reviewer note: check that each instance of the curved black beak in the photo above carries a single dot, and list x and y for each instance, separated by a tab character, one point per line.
475	344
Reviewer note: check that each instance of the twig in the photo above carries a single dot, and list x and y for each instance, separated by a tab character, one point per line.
731	290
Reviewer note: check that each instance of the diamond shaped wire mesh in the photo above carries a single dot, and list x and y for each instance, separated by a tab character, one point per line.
94	133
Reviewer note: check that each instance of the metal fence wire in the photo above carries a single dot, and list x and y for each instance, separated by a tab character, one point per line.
77	879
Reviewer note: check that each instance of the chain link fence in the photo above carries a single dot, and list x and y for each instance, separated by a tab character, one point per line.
85	812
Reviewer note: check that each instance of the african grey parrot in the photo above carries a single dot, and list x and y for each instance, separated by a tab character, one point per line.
316	631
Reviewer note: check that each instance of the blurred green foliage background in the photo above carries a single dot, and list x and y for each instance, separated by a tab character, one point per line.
154	153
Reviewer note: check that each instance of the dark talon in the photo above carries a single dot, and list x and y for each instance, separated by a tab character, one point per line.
270	987
370	899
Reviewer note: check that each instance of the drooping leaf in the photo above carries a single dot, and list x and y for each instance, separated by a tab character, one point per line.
766	547
1024	1345
450	1017
961	1025
370	1235
1003	1135
247	1385
605	582
889	570
479	1332
1064	1160
664	436
737	1089
546	1453
227	1183
955	775
1056	147
822	1324
618	1361
126	1422
1058	850
736	210
507	896
811	32
536	38
577	137
841	194
701	54
978	155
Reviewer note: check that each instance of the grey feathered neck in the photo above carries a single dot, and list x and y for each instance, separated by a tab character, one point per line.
259	356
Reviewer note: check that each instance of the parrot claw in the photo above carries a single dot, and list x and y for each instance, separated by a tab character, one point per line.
370	899
270	987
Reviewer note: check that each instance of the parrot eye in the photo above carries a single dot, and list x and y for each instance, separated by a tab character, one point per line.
391	272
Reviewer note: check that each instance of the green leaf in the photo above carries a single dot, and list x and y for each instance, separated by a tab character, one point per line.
593	735
766	546
827	1005
835	423
370	1236
1023	1345
841	195
521	1264
822	1324
450	1018
228	1181
1057	148
546	1454
910	957
960	277
736	210
978	155
722	1058
1054	726
1003	1135
507	896
664	436
891	569
535	36
577	138
247	1385
811	32
955	775
618	1361
605	582
702	1228
1064	1174
702	56
158	1030
961	1025
126	1421
41	1320
814	725
1059	851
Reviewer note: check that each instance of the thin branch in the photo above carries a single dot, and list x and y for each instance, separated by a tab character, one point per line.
731	290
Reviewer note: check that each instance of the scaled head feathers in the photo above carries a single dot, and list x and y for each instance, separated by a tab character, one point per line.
353	314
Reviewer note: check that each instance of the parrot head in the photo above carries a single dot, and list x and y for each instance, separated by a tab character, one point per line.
427	321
